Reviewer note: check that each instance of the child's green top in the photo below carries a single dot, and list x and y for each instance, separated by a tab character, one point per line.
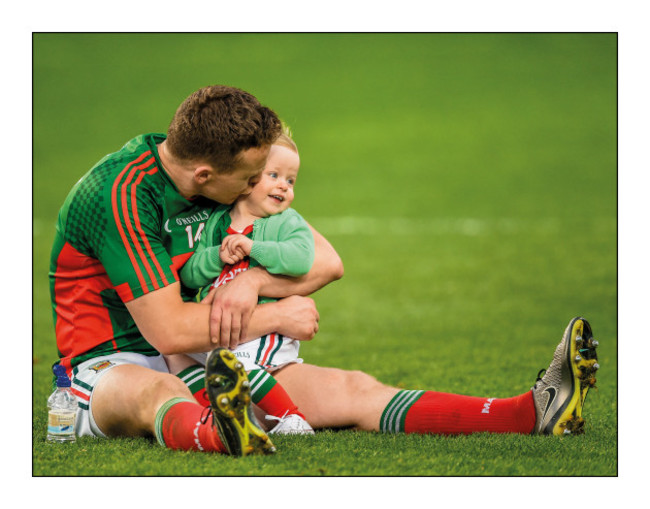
282	244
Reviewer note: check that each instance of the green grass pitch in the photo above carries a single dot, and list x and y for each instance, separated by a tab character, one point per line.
468	181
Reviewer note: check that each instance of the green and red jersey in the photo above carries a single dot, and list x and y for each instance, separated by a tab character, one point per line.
123	231
229	272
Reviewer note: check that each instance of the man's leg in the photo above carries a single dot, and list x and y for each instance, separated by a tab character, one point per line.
334	398
126	400
331	397
131	400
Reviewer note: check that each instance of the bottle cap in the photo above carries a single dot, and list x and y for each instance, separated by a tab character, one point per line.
62	379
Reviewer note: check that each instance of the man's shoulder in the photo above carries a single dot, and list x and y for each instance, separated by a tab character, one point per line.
105	192
133	164
135	154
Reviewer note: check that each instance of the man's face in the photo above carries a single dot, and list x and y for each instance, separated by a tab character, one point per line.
226	188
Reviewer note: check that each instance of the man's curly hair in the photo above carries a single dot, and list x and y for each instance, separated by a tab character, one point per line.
216	123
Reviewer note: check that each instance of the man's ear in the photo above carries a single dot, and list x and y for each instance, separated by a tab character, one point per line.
202	174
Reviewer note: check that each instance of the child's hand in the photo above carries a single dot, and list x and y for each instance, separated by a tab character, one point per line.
235	248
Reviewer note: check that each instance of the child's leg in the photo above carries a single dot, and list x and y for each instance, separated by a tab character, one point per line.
270	396
194	378
266	392
275	402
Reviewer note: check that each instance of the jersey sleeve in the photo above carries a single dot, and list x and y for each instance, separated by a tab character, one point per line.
133	254
292	254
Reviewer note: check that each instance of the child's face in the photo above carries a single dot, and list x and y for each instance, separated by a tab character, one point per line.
274	191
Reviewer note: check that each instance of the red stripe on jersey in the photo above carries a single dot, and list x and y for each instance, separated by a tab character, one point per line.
118	221
82	321
141	233
178	261
124	292
130	221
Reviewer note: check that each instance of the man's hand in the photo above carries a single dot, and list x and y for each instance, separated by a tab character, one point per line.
232	308
297	317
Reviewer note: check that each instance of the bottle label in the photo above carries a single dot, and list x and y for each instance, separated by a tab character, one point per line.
61	423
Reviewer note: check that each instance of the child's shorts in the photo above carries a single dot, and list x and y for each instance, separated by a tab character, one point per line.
86	375
269	352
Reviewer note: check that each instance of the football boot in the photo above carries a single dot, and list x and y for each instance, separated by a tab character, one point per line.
228	390
560	393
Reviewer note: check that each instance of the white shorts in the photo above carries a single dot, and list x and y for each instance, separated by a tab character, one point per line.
86	375
269	352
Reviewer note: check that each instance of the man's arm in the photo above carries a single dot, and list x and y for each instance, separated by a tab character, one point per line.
327	267
173	326
233	304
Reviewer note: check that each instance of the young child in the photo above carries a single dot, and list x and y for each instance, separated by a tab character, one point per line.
258	230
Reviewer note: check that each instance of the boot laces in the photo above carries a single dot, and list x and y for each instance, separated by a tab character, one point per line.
540	375
279	419
206	414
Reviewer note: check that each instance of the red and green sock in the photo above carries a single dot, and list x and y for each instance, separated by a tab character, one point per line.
266	392
270	396
451	414
180	424
194	378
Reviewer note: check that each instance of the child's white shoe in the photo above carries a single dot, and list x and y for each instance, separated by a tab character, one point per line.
291	424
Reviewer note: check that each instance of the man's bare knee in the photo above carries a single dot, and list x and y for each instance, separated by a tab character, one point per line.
127	398
162	387
363	382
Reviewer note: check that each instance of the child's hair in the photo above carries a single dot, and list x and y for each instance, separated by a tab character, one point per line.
285	139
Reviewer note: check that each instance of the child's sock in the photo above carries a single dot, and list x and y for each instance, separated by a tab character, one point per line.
269	395
266	392
179	425
194	378
448	414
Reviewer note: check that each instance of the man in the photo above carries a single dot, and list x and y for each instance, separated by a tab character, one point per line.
115	288
122	234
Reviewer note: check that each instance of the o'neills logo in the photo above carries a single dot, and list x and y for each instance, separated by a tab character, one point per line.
194	218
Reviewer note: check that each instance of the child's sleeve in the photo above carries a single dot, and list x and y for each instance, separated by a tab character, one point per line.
202	268
292	254
205	265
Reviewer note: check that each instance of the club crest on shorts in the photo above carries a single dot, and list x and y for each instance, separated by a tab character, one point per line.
101	365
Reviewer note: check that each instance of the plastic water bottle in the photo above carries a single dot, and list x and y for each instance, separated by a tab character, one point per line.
62	409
